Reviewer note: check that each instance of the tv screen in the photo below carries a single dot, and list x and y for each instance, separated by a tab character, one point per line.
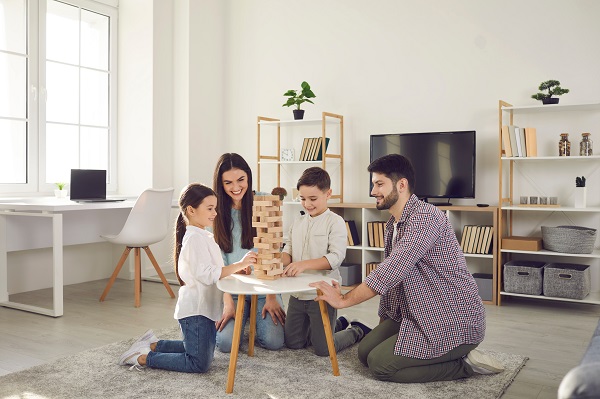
444	162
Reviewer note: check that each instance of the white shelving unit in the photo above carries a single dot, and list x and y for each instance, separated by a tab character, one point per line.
549	175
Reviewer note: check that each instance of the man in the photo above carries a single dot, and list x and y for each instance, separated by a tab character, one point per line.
431	315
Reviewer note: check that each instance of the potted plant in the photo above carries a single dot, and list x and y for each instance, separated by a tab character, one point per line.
580	192
297	97
279	191
60	192
553	89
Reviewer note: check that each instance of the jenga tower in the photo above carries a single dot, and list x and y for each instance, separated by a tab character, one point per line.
267	218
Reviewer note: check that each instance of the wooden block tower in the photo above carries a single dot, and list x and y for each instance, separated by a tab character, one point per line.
267	218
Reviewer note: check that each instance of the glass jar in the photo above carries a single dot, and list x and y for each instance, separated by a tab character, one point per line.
564	145
585	146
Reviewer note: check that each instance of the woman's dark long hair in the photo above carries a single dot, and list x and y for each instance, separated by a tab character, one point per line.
223	224
192	195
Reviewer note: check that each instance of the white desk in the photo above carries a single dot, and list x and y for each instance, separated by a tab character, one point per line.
48	222
243	285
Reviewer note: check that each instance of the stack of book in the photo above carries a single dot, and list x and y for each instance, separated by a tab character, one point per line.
312	149
477	239
375	230
519	141
353	238
369	267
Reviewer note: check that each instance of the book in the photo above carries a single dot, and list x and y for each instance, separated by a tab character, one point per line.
313	146
320	150
523	142
303	151
381	234
531	142
370	234
464	242
483	239
473	238
489	243
513	140
376	234
506	141
348	234
353	232
520	147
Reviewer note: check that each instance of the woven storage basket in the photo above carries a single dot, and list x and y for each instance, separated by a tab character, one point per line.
524	277
567	280
569	239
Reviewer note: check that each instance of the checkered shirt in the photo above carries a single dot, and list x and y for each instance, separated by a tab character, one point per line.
425	285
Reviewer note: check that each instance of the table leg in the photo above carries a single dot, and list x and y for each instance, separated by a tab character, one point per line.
235	345
253	304
329	336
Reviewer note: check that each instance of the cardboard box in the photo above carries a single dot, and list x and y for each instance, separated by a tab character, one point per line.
522	243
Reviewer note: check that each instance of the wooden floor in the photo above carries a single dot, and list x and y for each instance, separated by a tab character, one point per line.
553	335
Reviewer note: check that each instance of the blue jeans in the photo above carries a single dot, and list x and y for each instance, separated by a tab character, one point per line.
192	355
269	335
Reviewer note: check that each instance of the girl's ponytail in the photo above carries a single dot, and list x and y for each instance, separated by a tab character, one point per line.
179	233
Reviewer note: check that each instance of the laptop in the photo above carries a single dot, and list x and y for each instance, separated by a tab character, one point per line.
89	185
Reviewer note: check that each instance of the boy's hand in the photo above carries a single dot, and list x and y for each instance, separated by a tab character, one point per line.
293	269
275	310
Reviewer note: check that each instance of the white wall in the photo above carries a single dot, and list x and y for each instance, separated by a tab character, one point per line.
405	66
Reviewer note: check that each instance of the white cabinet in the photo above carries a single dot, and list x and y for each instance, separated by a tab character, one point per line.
549	175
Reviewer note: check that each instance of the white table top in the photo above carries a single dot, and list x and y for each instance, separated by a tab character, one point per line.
52	204
250	285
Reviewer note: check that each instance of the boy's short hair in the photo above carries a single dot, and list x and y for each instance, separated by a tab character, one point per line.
315	177
394	167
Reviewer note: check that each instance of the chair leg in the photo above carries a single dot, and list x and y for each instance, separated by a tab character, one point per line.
138	277
160	273
115	273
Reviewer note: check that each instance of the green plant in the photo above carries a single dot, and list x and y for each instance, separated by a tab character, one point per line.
297	97
580	181
60	185
553	89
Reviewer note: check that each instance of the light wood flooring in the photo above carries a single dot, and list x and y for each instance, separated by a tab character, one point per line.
553	335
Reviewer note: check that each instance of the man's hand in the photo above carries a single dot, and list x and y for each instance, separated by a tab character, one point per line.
275	310
332	294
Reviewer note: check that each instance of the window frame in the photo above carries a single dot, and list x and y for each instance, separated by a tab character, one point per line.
37	95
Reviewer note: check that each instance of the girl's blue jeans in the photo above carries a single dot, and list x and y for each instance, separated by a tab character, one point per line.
268	335
192	355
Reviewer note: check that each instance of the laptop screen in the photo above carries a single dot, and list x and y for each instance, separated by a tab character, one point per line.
88	184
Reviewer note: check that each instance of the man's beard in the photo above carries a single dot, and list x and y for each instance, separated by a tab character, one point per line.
389	200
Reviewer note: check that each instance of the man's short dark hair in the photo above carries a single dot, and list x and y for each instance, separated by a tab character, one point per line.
315	177
394	167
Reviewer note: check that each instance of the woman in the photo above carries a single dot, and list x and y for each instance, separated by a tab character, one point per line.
234	234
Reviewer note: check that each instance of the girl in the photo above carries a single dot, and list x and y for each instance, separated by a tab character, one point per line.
198	266
234	233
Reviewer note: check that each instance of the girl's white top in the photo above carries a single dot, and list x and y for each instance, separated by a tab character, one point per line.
200	264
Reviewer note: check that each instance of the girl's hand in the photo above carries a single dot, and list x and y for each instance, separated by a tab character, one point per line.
293	269
228	313
275	310
249	259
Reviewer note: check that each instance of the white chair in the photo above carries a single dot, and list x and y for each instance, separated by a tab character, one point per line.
147	223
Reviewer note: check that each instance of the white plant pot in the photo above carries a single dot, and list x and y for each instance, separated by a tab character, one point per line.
580	197
60	193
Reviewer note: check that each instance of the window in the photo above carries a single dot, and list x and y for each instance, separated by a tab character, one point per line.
58	111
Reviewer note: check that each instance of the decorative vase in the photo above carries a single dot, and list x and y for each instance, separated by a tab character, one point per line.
550	100
580	197
60	193
298	114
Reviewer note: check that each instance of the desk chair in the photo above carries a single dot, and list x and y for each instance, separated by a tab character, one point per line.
147	223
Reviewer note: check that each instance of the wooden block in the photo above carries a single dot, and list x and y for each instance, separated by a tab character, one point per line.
266	198
275	230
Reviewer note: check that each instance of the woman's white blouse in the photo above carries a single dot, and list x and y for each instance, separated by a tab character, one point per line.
200	264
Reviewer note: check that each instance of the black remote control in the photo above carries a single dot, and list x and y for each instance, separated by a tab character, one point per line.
483	205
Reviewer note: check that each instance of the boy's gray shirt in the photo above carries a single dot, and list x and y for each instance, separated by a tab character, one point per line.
315	237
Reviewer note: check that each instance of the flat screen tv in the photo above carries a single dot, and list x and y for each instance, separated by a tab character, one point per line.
444	162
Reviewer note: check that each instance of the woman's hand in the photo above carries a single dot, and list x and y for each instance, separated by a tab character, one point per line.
275	310
228	312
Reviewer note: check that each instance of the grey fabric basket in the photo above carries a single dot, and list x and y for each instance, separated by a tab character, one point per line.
567	280
569	239
523	277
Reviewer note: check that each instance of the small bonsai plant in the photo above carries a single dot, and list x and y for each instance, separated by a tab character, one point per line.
580	181
553	89
297	97
60	192
279	191
61	186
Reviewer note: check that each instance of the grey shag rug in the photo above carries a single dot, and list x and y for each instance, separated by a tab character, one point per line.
283	374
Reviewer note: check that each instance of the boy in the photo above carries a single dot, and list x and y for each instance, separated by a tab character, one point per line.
316	244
